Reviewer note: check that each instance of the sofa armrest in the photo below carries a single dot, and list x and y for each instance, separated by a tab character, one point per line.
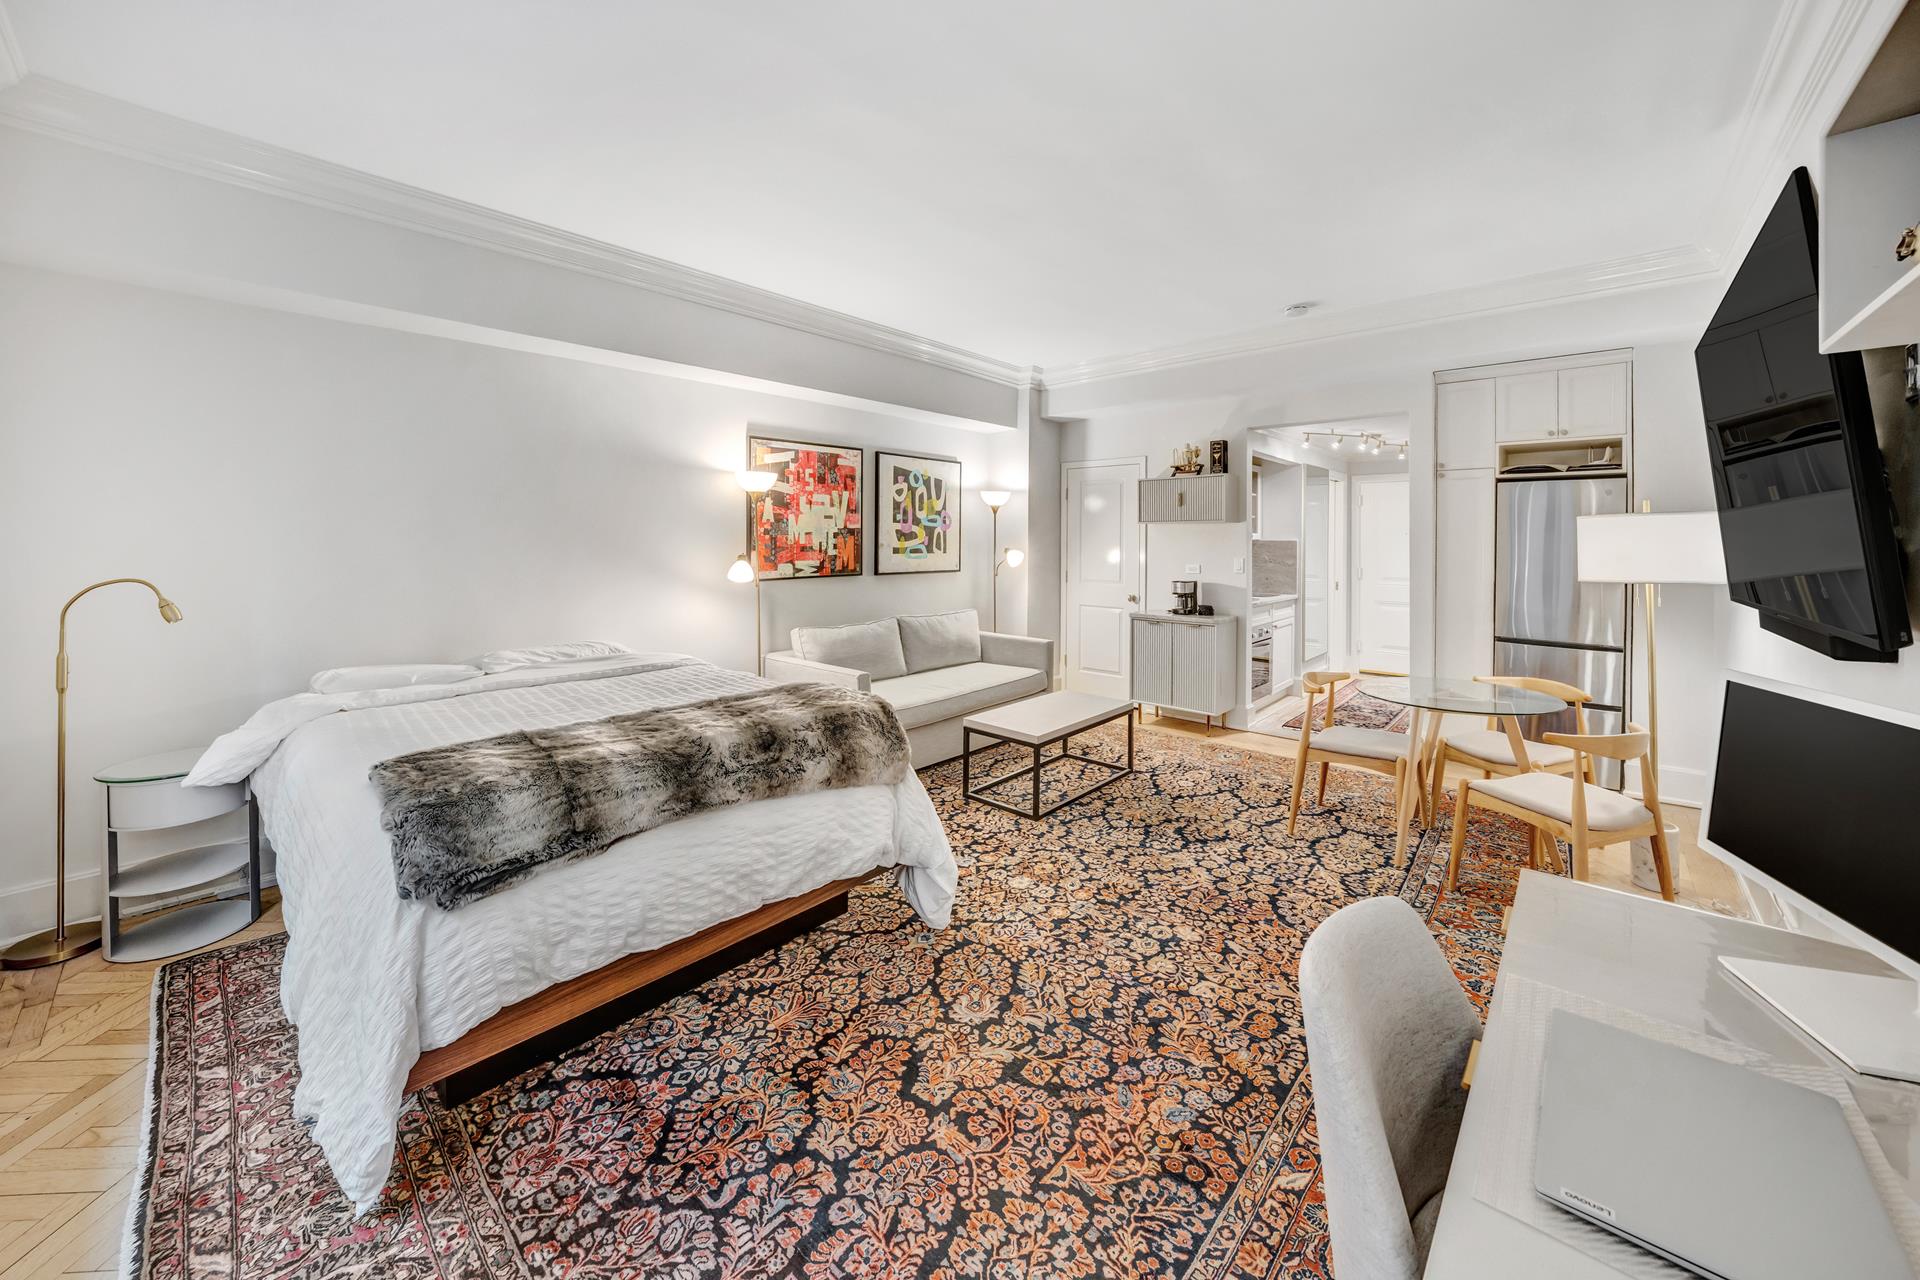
1018	651
788	667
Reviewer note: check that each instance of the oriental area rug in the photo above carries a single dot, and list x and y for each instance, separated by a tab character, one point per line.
1098	1070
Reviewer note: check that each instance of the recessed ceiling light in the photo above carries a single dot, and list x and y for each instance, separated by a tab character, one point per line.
1298	309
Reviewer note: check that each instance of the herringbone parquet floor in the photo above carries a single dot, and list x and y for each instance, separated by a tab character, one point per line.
73	1063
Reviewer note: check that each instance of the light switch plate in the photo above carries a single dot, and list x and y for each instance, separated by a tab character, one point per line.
1193	571
1239	564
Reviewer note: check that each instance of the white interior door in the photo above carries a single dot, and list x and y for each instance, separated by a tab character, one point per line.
1340	573
1316	578
1382	572
1101	589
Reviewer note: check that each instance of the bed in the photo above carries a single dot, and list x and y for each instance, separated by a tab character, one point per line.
374	982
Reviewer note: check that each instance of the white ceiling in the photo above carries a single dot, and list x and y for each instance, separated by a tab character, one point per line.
1043	183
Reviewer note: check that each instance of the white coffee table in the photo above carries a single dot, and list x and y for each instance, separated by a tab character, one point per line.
1038	723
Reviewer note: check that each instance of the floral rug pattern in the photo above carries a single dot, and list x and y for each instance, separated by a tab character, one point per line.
1361	710
1098	1070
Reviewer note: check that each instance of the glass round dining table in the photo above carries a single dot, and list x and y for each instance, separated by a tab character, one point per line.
1432	699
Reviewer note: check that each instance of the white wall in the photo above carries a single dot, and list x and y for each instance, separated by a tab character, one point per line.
1172	550
315	493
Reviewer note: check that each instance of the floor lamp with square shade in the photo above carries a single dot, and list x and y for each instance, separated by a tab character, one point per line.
1650	549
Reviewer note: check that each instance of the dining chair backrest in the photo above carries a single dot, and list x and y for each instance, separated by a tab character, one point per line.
1572	695
1633	745
1317	683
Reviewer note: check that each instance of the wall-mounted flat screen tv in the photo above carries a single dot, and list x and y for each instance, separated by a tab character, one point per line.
1806	514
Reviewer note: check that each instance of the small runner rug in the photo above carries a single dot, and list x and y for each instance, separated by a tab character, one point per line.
1098	1070
1361	710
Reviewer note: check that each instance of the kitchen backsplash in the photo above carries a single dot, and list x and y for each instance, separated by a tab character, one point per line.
1276	567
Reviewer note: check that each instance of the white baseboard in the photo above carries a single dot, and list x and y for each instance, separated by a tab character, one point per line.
28	909
1684	787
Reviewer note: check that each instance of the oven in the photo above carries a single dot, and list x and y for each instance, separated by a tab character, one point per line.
1261	650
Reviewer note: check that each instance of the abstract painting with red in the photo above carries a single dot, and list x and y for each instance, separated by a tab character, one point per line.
808	524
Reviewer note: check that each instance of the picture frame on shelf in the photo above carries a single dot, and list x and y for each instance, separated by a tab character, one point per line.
810	523
917	513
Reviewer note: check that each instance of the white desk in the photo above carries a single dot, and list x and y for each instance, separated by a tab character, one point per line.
1658	960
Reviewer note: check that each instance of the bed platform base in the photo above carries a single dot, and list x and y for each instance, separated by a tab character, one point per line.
541	1026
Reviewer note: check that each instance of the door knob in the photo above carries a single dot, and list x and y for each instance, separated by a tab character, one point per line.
1133	599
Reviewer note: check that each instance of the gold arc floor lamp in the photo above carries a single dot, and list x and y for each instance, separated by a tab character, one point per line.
61	943
1007	557
745	569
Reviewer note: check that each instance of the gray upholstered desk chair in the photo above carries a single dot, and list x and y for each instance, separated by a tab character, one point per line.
1388	1033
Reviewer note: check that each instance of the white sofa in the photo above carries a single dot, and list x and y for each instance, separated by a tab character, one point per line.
934	669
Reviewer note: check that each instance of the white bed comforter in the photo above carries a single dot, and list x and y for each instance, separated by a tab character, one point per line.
371	981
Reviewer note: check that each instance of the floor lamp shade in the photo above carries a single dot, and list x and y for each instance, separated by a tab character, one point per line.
1649	549
1650	546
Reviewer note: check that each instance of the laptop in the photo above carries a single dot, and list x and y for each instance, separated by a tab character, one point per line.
1721	1170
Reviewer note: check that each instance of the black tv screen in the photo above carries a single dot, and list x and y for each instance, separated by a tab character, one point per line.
1806	515
1830	815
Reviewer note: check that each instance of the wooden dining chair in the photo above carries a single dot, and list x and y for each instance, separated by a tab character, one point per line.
1490	750
1375	750
1568	807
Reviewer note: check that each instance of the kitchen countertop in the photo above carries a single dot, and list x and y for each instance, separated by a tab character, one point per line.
1210	618
1287	599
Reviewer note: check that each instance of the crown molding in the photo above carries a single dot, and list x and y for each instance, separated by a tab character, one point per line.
1810	48
1663	266
65	111
13	63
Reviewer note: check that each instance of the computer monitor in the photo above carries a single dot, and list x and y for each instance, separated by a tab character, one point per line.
1813	798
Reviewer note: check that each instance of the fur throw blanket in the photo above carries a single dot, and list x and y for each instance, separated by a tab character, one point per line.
472	817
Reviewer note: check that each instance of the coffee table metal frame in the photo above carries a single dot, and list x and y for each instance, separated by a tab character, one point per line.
1040	762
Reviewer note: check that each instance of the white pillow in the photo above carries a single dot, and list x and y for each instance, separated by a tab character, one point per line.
513	659
872	647
393	676
934	640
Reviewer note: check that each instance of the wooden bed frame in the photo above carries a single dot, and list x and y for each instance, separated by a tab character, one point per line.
531	1022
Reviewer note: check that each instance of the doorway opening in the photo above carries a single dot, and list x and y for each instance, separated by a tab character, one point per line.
1330	550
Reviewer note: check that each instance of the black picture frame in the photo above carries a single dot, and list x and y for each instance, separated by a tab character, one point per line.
885	520
857	520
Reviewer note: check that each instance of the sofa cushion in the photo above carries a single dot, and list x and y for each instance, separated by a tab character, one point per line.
872	647
927	696
935	640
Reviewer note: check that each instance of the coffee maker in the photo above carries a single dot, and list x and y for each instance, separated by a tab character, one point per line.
1186	597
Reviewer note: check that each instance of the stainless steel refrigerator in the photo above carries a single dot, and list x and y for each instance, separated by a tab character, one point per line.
1546	622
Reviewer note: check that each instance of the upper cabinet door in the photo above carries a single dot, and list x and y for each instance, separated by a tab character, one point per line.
1593	401
1527	406
1463	417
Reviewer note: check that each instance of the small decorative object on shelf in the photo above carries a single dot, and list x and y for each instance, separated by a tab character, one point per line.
145	795
1186	460
1216	457
1909	243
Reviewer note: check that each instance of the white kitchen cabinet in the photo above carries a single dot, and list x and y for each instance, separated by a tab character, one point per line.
1175	499
1286	649
1152	661
1187	663
1526	407
1463	574
1464	424
1593	401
